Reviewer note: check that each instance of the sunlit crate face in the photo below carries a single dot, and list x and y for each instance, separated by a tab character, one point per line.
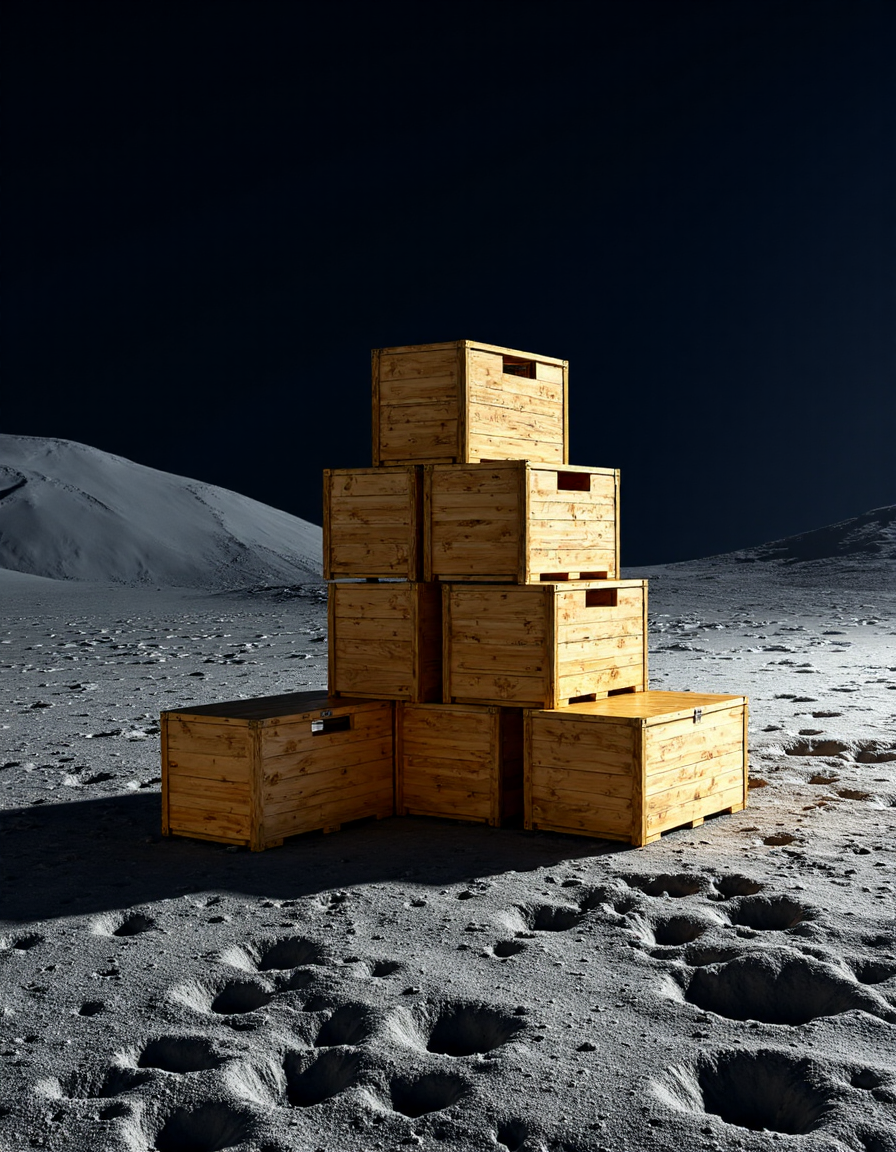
543	645
462	401
522	522
636	765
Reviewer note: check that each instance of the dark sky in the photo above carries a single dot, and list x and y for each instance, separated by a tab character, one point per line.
212	211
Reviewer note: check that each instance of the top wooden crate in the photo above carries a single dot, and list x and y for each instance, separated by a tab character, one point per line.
462	402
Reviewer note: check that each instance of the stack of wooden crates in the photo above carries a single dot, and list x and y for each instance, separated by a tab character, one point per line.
474	586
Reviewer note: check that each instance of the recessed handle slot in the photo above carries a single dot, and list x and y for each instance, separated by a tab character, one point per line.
573	481
331	724
601	597
516	366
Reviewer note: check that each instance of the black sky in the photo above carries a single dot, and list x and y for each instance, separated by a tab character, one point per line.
212	211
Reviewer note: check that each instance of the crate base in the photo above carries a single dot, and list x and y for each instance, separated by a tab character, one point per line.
277	843
540	826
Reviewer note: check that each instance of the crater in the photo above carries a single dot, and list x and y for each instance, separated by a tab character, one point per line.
674	930
328	1075
816	748
91	1008
513	1134
466	1029
422	1094
103	1084
821	778
676	886
779	839
550	917
240	996
179	1054
351	1024
871	752
204	1129
769	913
133	925
27	942
753	1090
873	971
866	1079
291	952
730	886
383	968
701	956
852	794
774	989
505	948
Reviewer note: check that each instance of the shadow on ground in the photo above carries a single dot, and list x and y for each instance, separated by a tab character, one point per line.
71	859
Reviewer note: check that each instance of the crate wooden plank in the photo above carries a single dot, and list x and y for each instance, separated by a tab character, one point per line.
462	400
297	768
590	762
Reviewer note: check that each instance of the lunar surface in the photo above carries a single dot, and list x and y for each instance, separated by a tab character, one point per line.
441	985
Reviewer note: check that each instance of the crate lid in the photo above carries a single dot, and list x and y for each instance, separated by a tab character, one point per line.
288	704
651	707
401	348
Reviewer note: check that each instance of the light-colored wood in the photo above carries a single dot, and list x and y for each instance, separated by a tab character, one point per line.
467	401
303	761
385	641
519	521
373	523
635	765
504	644
464	763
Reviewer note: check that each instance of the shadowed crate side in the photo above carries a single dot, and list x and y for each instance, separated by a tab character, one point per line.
298	762
459	762
373	523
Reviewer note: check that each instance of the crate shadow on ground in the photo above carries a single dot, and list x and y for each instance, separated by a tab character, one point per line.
88	856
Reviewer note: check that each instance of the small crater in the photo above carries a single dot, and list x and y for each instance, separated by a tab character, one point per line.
351	1024
512	1134
328	1075
466	1029
417	1096
102	1085
291	952
820	778
769	913
873	971
91	1008
134	925
675	930
774	989
778	839
870	752
550	917
204	1129
866	1079
753	1090
730	886
179	1054
675	886
27	942
756	782
816	748
240	996
703	955
852	794
504	948
113	1111
383	968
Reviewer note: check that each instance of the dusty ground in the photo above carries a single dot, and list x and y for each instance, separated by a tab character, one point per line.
439	985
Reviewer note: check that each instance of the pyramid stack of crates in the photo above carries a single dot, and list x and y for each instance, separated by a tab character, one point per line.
486	660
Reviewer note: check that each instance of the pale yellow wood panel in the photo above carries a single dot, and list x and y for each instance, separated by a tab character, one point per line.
706	783
404	365
544	399
325	786
584	780
547	755
662	821
546	483
307	764
474	506
357	486
578	633
362	601
497	689
420	391
207	740
700	739
200	792
659	734
576	812
727	760
548	371
484	446
453	481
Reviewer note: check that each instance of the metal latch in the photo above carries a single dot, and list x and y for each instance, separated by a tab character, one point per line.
698	715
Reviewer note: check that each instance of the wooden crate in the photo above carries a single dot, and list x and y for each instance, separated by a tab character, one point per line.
254	771
518	521
543	645
373	522
466	401
460	761
634	766
385	641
